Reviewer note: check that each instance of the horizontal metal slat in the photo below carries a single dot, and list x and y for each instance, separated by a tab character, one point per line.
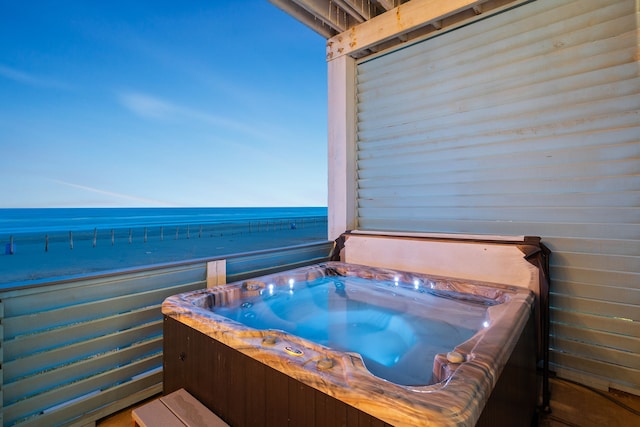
596	353
519	183
18	364
619	294
131	391
428	160
32	406
46	298
594	307
86	311
549	214
625	247
439	186
596	261
596	344
610	373
614	279
267	260
532	228
598	323
79	370
628	199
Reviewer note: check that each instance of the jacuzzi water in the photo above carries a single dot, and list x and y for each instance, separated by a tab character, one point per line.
397	328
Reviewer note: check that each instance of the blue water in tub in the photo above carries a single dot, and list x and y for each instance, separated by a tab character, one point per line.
396	328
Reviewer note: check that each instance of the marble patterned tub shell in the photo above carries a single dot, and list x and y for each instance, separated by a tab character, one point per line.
460	391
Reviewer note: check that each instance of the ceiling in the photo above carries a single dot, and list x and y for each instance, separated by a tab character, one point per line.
360	27
332	17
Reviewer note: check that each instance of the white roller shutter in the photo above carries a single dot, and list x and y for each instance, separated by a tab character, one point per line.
525	123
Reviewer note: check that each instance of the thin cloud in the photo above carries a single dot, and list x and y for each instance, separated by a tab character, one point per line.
148	106
152	107
30	79
111	193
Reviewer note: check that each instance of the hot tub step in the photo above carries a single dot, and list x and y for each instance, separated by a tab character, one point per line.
178	409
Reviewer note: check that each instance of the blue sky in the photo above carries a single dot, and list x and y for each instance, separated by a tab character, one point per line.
160	103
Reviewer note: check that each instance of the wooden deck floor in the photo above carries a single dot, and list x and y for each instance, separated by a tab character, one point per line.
575	405
571	405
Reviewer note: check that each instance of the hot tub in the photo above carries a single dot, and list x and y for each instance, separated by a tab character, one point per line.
346	344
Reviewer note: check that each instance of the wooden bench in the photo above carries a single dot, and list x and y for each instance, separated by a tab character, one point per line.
178	409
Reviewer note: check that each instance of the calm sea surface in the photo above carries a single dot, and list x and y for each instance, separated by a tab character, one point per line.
19	221
38	244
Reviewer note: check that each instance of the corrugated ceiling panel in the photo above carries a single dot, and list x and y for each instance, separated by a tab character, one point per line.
525	123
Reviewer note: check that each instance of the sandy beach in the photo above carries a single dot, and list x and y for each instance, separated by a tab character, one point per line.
62	254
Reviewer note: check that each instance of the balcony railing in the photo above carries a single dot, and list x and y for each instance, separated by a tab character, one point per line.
76	350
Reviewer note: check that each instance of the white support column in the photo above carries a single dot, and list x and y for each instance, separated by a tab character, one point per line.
342	146
216	273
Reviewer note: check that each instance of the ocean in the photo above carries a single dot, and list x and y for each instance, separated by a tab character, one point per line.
49	220
53	243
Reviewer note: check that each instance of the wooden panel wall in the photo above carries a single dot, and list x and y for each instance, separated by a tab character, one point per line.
245	392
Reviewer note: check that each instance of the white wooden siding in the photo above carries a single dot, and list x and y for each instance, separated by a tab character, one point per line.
525	123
